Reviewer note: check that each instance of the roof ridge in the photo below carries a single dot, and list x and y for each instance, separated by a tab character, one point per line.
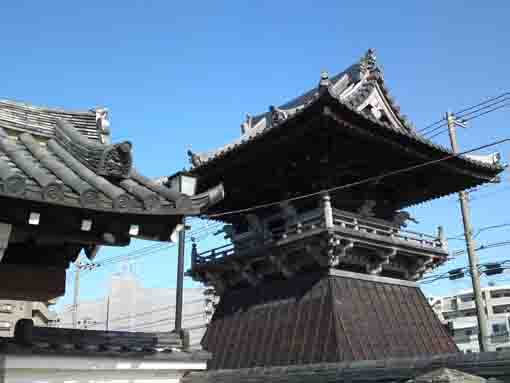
23	104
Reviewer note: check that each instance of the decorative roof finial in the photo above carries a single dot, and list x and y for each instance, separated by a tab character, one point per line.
194	159
324	82
247	124
368	62
103	124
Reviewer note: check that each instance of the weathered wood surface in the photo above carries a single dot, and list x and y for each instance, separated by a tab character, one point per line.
25	282
315	317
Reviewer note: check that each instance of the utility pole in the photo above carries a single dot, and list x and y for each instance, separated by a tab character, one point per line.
107	324
77	265
473	258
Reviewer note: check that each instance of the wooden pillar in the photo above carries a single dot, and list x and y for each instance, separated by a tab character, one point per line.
5	233
328	211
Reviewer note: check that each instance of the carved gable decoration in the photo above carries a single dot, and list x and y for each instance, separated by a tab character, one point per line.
105	160
377	104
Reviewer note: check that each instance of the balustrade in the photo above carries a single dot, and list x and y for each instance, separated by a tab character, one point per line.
342	222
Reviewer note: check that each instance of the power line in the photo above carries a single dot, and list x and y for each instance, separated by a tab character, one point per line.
467	116
432	127
485	111
196	235
479	231
145	313
356	183
463	271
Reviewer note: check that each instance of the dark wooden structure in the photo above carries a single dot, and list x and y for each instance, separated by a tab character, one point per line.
323	317
65	188
281	302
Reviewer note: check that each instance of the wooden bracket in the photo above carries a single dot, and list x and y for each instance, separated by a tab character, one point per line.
247	273
218	284
279	262
5	233
384	258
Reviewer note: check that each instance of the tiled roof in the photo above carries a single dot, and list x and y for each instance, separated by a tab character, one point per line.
40	121
49	159
64	341
383	370
358	88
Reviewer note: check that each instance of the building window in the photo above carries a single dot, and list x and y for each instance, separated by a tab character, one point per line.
467	298
5	326
499	328
6	308
501	309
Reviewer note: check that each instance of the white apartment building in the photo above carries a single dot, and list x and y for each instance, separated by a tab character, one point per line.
459	312
11	311
128	306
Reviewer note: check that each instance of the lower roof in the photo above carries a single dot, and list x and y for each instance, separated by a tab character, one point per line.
328	144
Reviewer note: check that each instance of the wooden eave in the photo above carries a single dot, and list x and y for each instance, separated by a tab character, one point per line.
262	153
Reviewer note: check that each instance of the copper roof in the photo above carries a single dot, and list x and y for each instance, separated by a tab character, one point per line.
316	318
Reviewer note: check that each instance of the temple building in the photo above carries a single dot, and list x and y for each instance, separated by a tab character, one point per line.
321	266
64	189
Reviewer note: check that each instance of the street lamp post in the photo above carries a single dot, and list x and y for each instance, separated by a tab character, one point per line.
185	185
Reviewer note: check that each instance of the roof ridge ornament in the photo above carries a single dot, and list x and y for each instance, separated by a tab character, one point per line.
368	63
324	82
277	115
105	160
103	124
194	159
247	124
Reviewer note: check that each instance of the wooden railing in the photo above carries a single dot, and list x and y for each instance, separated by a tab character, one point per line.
374	226
249	243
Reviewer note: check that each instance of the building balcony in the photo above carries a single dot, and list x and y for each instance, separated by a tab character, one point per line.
500	301
465	338
499	338
322	238
467	305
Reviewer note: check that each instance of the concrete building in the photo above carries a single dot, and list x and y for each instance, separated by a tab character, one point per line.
459	311
11	311
129	306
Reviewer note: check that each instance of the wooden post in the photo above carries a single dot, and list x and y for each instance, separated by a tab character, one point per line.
441	237
5	233
473	259
180	279
194	254
328	211
76	292
107	324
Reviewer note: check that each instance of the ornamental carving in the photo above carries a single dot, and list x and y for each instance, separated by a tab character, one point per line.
368	62
277	115
106	160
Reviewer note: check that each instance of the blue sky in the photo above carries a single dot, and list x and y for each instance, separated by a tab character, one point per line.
181	74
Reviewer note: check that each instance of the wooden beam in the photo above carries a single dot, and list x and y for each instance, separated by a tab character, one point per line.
22	282
5	233
247	273
216	281
279	261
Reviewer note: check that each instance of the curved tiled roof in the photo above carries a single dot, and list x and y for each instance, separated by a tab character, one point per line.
39	121
51	160
360	88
